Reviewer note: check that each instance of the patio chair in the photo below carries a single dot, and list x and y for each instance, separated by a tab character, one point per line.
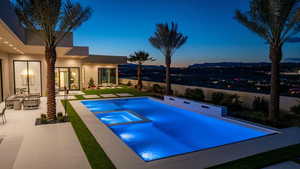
2	114
31	103
10	102
35	96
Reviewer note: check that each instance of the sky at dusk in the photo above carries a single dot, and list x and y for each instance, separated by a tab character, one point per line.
121	27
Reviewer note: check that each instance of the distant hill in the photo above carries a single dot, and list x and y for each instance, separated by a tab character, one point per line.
229	64
213	65
133	66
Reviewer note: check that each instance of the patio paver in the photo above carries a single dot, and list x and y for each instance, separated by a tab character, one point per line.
26	146
65	97
108	95
71	93
124	94
90	96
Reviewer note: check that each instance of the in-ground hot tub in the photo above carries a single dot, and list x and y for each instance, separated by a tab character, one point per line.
120	117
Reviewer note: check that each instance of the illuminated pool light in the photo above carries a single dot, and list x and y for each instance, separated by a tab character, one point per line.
127	136
148	156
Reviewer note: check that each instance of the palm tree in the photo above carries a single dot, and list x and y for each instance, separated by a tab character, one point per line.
140	58
276	21
52	20
167	39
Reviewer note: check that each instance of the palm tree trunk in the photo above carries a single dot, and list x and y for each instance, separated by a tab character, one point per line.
51	102
139	76
168	78
275	57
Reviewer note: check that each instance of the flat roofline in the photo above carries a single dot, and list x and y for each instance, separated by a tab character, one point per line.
106	55
105	59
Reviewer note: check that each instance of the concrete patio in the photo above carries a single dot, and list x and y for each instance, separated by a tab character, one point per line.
26	146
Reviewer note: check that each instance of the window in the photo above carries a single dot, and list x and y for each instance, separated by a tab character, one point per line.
27	76
67	77
1	82
107	76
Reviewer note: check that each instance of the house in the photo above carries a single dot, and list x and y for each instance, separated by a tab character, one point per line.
23	65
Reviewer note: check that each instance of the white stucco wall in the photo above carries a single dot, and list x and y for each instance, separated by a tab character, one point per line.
247	98
5	73
91	71
61	62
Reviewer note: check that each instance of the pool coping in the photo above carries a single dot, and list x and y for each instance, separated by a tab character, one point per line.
124	157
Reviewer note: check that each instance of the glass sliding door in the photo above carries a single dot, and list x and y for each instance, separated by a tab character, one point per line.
1	82
27	76
107	76
34	77
113	76
74	79
67	77
63	78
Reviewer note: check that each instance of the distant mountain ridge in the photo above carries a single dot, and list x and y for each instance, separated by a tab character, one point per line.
215	65
230	64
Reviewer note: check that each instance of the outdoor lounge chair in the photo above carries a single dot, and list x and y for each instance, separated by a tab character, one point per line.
31	103
11	101
35	96
2	114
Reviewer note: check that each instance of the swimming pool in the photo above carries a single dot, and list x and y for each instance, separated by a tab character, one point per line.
168	130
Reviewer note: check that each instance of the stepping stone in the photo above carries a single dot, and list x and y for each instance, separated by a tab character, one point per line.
66	97
108	95
284	165
71	93
76	93
124	94
90	96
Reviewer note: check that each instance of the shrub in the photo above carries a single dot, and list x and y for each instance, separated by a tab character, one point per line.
217	97
295	109
60	117
157	88
129	83
233	102
44	118
91	83
259	104
194	94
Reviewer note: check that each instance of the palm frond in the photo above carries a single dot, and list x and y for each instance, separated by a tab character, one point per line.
253	26
167	38
274	20
52	19
72	17
140	57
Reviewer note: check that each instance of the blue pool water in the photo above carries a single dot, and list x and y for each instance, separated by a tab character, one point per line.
118	117
171	131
